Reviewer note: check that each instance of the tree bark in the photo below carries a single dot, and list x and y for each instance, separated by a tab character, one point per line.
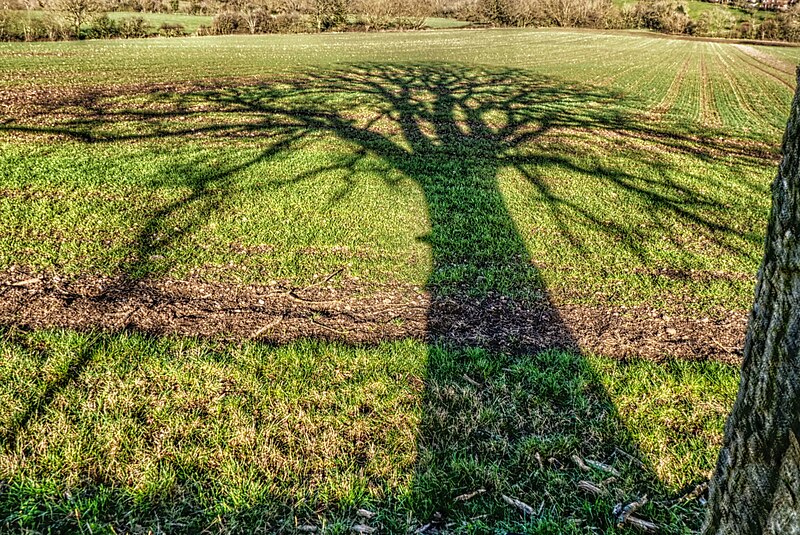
756	488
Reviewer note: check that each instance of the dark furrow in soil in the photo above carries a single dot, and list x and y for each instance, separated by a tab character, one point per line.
352	313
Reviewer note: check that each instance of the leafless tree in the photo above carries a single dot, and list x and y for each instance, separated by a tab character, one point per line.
413	13
576	12
75	11
255	14
329	14
375	14
528	13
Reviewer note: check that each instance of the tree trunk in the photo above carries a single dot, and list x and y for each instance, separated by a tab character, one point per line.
756	488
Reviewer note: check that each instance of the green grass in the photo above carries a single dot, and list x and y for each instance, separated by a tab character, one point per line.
441	23
789	56
190	22
115	432
597	168
697	7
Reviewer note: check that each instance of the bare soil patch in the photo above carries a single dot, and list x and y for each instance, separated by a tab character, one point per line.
351	313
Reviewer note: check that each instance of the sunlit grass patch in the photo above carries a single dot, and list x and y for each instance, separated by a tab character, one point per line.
674	411
125	430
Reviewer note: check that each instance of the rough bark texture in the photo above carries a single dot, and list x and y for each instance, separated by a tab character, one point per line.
756	488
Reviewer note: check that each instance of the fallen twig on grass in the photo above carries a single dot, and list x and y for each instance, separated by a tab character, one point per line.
337	331
725	348
582	465
268	326
623	514
329	277
602	467
471	381
469	495
591	488
641	524
26	282
522	506
293	292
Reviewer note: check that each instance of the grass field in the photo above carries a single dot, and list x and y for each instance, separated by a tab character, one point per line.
536	170
190	22
442	23
697	7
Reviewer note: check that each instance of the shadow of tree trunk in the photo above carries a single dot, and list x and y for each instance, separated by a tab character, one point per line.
507	391
39	402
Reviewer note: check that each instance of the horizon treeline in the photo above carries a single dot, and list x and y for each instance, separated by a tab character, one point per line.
36	20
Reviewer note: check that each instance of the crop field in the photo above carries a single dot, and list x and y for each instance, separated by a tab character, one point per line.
325	283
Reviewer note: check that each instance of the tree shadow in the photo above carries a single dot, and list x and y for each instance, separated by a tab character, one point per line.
427	121
509	398
40	401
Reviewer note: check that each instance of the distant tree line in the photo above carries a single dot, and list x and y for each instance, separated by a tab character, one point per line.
282	16
53	20
35	20
31	20
768	5
668	16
